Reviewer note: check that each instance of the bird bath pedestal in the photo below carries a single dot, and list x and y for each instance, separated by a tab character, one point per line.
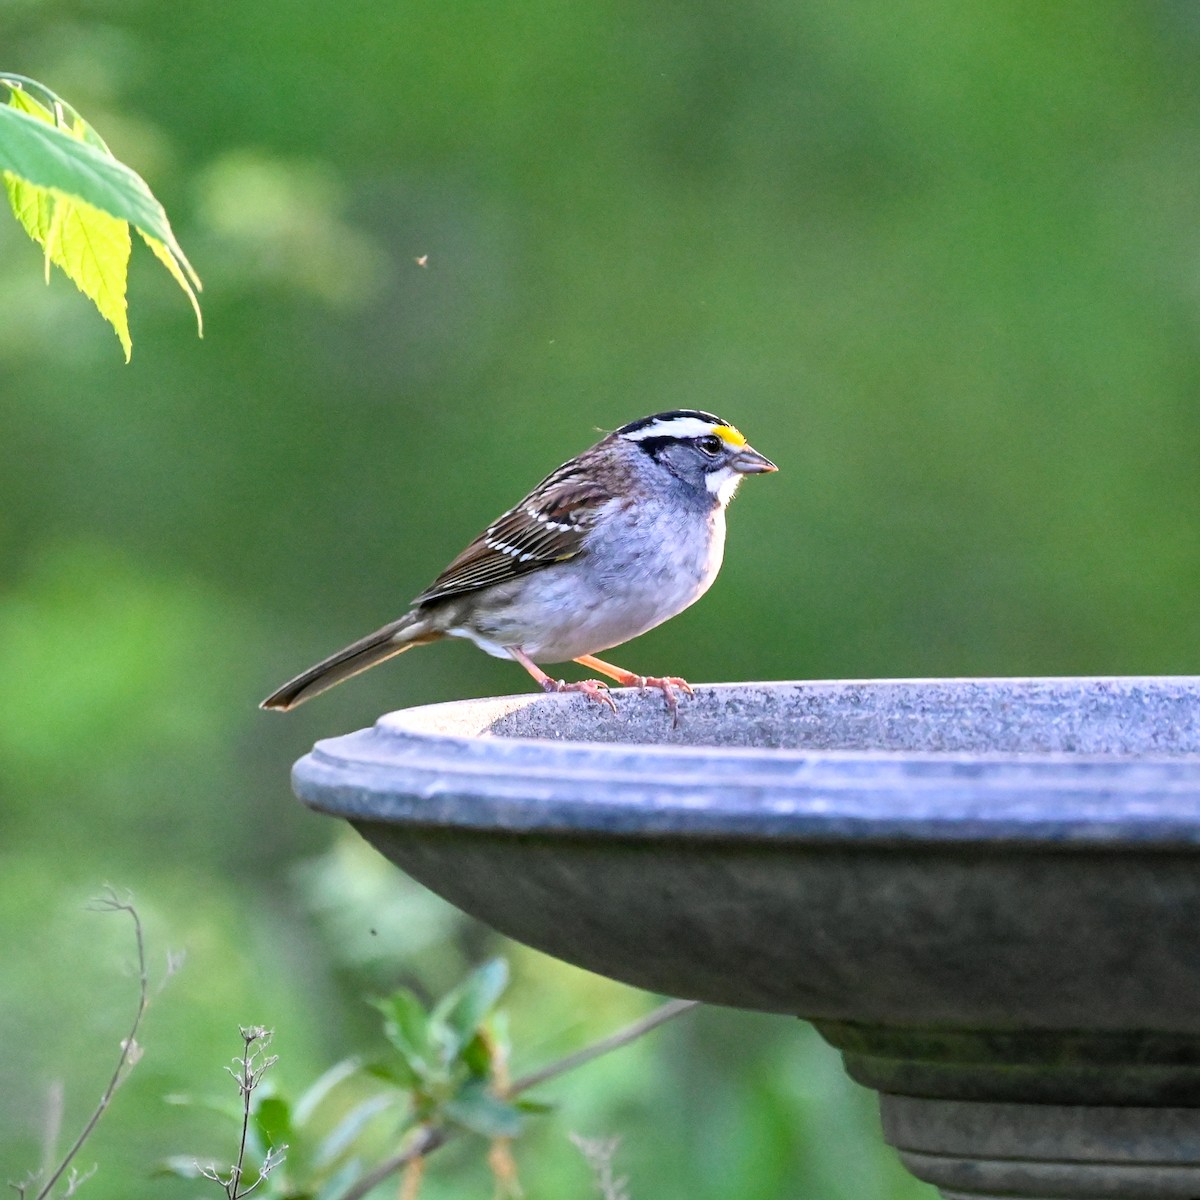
984	893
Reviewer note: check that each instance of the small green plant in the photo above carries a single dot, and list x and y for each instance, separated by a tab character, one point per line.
444	1074
77	200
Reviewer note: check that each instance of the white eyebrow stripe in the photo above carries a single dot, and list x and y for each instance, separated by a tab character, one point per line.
680	427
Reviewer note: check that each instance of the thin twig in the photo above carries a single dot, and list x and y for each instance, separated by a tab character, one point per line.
130	1051
665	1012
248	1039
427	1140
431	1137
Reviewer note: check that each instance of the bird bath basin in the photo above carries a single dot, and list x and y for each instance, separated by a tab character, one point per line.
984	893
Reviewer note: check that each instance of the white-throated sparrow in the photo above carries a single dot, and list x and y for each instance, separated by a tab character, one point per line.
614	542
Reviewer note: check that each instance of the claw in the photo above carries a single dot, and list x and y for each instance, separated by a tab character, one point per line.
593	689
666	684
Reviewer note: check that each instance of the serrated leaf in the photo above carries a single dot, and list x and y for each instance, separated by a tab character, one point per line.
52	158
462	1010
32	206
476	1109
168	260
72	196
83	130
93	249
53	108
24	101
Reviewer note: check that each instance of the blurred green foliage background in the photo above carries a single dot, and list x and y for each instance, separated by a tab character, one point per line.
938	258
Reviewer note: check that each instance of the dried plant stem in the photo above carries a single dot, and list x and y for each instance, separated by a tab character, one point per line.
251	1067
600	1153
130	1051
431	1137
245	1087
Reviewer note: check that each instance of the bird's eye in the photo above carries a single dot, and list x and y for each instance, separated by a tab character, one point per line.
710	444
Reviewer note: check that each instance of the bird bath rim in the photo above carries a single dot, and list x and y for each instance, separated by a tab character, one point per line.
489	764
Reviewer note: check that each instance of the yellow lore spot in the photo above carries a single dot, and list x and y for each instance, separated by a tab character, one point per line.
727	433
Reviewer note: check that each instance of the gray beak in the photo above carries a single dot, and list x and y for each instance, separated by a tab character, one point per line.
749	462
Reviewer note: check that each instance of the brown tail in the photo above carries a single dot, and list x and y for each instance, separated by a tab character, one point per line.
384	643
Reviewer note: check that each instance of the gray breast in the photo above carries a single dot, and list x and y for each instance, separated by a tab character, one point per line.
642	570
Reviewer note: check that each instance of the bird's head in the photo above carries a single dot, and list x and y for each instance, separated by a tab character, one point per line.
699	448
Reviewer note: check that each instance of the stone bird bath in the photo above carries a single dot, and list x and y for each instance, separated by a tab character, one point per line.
984	893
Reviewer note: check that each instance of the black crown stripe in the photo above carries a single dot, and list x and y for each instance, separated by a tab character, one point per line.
673	415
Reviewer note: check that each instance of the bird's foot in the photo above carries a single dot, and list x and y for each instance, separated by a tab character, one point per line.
593	689
667	685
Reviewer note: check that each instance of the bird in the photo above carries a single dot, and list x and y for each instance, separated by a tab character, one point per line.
615	541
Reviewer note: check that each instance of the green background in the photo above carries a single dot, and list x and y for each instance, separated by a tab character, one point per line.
937	258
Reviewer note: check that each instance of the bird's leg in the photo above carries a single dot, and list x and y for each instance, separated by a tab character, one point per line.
665	683
592	688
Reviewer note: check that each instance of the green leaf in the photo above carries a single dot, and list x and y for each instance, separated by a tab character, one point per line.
394	1070
476	1109
52	158
273	1122
33	207
310	1099
182	1166
350	1127
406	1026
223	1107
165	256
90	246
76	200
462	1010
52	108
339	1183
476	1056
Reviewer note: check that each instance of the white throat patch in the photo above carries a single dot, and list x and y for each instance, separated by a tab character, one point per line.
723	484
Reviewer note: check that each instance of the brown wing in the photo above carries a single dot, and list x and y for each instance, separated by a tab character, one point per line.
548	526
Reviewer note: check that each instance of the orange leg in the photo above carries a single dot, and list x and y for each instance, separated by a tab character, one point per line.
592	688
665	683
